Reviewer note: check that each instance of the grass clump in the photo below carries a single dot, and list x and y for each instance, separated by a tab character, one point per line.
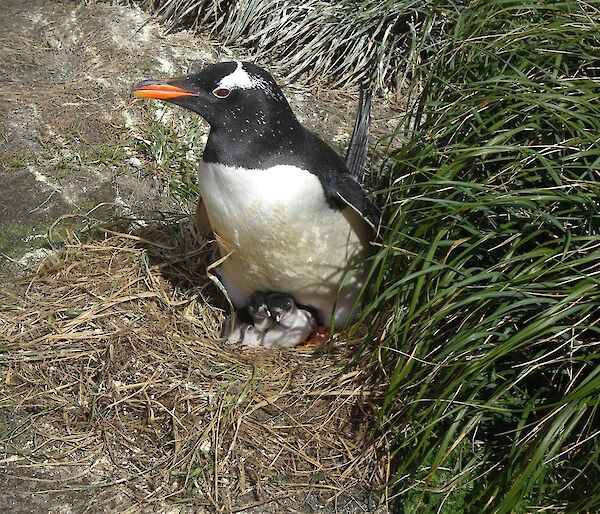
13	161
169	141
70	155
342	43
487	282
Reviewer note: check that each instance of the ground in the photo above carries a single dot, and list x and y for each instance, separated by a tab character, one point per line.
115	392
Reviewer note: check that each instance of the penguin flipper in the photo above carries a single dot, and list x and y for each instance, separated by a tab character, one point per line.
352	194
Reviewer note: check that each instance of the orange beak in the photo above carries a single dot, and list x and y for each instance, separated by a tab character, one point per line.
160	91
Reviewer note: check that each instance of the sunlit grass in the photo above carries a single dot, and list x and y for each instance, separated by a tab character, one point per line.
343	43
170	142
487	284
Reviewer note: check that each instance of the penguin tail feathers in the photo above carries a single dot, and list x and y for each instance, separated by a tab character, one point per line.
356	156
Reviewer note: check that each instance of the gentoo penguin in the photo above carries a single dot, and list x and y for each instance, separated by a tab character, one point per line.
284	209
235	330
292	325
276	322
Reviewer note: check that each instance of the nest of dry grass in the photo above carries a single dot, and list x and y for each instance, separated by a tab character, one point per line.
111	364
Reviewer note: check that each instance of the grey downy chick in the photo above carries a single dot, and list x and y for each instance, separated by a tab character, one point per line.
292	325
232	329
235	330
259	311
251	336
240	332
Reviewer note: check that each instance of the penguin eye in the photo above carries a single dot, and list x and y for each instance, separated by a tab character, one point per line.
221	92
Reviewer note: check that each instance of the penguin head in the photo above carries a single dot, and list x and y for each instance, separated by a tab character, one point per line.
257	306
280	305
225	94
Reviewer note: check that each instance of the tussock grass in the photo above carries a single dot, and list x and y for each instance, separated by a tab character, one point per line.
487	282
112	368
320	41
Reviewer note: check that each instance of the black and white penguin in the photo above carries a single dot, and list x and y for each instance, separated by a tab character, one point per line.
285	210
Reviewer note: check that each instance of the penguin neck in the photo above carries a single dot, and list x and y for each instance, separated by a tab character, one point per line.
289	318
256	142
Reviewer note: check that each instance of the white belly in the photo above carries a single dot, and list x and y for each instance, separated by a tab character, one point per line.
284	237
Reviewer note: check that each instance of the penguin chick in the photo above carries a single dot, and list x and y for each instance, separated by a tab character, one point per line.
252	337
280	305
232	329
292	326
235	331
259	311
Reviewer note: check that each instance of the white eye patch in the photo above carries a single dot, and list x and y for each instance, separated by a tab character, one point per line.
239	79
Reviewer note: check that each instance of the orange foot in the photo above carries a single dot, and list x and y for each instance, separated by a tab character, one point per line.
318	336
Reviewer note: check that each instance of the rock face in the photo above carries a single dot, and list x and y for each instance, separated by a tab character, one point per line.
63	117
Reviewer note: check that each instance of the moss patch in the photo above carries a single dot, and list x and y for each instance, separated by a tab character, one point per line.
13	161
17	239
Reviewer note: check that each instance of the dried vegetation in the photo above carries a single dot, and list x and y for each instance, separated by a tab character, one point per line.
112	368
